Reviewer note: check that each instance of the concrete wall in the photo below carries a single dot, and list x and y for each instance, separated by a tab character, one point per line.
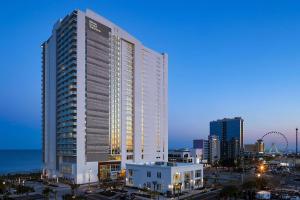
84	169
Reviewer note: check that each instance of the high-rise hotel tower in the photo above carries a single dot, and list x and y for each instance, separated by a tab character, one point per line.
104	100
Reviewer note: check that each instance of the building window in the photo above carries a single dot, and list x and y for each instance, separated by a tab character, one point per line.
198	182
130	181
115	167
130	172
129	157
149	185
158	186
198	173
148	174
158	174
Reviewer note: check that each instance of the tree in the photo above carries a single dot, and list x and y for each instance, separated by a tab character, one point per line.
74	188
21	189
3	187
249	188
46	192
261	183
229	192
249	185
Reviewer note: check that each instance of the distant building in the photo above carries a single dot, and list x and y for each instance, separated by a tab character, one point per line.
214	149
260	146
197	155
202	144
180	155
250	148
165	177
231	135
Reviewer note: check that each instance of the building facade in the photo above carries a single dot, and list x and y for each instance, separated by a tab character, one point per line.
180	155
204	145
197	155
214	149
231	135
165	177
250	148
104	99
260	146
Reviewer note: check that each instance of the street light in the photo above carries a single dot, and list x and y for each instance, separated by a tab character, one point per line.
258	175
90	170
262	167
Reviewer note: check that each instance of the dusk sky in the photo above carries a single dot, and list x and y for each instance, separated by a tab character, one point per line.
226	59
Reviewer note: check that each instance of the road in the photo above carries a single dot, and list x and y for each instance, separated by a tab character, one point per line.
207	196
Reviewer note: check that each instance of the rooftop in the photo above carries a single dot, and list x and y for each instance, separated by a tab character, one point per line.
163	164
179	150
228	119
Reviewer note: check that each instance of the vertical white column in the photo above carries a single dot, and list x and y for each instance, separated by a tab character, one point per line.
165	107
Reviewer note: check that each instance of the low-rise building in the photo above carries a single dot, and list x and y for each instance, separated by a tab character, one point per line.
250	148
180	155
165	177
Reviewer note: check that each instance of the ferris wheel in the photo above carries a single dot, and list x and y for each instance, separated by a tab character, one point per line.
274	148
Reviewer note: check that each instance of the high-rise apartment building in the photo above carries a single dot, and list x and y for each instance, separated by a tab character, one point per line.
214	149
231	135
104	100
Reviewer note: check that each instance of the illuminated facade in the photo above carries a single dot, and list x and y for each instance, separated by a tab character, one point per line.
260	146
104	99
214	149
165	177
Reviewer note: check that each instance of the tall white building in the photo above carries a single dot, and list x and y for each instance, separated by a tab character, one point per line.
104	100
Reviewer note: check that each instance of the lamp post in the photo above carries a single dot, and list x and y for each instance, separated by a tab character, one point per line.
262	168
90	170
258	175
296	141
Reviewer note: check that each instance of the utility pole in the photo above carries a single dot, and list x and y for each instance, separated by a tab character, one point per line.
296	141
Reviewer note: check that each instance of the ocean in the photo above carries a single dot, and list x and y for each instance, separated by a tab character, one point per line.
14	161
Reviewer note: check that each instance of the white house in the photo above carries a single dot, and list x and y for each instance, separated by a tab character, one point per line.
165	177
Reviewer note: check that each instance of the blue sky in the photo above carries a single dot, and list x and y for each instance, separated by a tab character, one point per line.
226	59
